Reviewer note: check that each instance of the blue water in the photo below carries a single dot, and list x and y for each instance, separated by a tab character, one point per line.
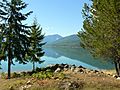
62	55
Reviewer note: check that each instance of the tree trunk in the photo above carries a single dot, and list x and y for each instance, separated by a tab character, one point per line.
9	62
117	67
33	66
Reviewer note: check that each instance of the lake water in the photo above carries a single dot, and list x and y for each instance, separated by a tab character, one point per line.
66	55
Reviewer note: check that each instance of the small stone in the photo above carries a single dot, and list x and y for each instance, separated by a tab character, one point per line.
81	70
57	70
28	86
21	88
66	66
11	87
87	71
28	82
77	70
69	84
114	76
118	78
72	69
65	69
96	71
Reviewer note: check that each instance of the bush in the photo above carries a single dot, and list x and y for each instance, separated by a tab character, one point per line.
43	75
3	75
59	75
15	75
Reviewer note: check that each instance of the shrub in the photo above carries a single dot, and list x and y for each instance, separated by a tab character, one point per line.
43	75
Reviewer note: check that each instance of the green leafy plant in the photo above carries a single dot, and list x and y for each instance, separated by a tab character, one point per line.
15	75
3	75
43	75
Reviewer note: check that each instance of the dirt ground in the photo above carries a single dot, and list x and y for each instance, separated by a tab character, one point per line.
72	81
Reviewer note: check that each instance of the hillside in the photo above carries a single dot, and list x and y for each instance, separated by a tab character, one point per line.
51	38
72	41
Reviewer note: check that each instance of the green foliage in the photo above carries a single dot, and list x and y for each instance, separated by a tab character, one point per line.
35	49
101	29
13	32
3	75
14	40
48	74
15	75
43	75
59	75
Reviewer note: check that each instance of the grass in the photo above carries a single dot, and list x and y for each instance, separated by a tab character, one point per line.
11	84
66	80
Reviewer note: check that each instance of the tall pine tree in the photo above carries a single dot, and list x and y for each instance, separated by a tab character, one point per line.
14	41
101	30
35	49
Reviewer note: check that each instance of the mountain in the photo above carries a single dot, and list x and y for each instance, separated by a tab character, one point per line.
51	38
72	41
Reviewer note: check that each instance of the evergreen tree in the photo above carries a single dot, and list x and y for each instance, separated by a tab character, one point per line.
14	41
101	30
35	49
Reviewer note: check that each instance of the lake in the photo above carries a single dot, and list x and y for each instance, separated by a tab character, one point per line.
66	55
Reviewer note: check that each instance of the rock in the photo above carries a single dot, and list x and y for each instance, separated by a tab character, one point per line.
65	69
50	65
80	67
57	70
21	88
11	88
66	66
118	78
109	74
25	87
74	84
77	70
96	71
87	71
73	65
72	68
68	85
114	76
81	70
61	65
28	82
28	86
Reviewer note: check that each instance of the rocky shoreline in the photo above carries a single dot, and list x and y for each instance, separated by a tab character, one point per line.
72	69
57	68
75	69
61	77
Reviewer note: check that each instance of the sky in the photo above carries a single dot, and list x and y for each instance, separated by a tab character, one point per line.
63	17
